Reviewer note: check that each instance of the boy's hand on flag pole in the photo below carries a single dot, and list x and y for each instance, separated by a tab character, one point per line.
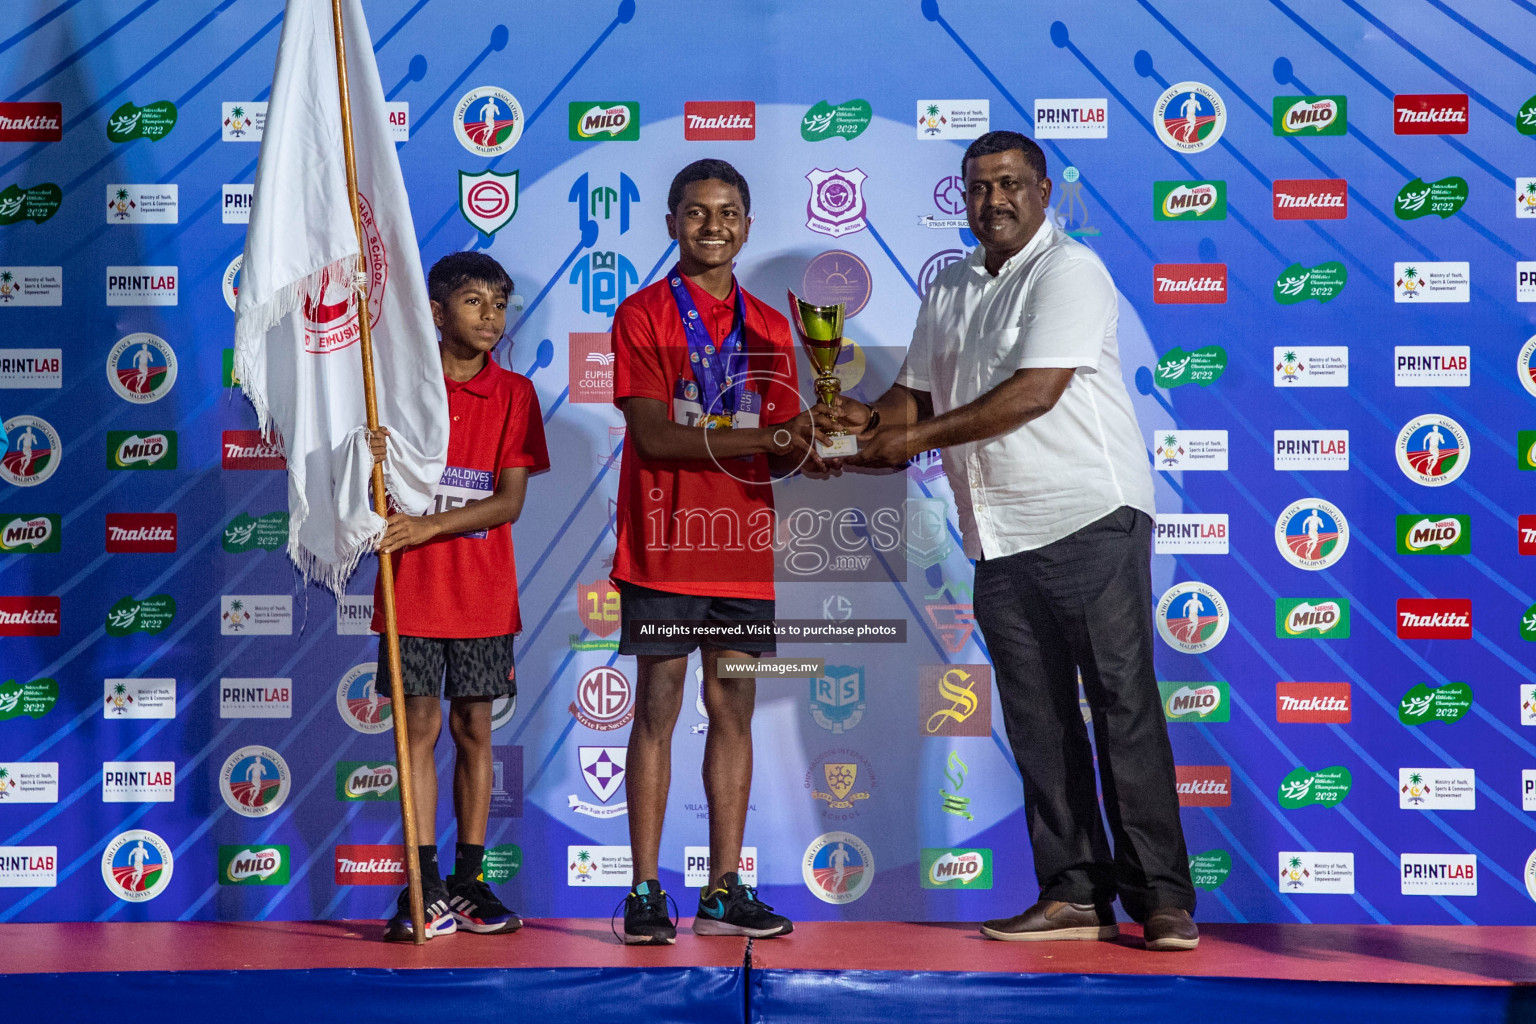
406	531
376	444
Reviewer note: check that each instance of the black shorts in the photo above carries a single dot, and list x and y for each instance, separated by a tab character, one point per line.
639	604
475	667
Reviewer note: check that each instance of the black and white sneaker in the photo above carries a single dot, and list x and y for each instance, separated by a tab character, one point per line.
439	918
646	921
734	909
476	908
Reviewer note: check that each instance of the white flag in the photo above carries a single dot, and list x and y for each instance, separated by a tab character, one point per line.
296	319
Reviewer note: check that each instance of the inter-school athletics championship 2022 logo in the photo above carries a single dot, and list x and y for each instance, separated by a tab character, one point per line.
1192	617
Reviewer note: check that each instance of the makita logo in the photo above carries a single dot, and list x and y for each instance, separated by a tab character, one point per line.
31	122
728	121
1204	785
369	865
246	449
1527	534
141	533
1189	282
1323	199
1434	618
1312	702
29	616
1430	114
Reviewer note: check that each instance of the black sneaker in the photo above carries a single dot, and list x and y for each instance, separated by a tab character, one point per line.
439	918
646	921
476	908
734	909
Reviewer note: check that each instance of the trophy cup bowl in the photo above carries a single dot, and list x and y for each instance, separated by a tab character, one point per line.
821	335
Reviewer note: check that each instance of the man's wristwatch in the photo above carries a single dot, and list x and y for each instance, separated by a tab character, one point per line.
874	419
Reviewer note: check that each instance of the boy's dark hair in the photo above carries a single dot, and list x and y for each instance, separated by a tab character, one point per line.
459	268
708	170
1002	142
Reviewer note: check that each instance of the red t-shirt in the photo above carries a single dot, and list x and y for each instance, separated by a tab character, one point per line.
695	526
465	585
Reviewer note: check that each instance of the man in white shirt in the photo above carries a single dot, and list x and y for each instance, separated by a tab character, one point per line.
1014	371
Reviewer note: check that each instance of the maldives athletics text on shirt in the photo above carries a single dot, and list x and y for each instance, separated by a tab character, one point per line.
464	585
698	527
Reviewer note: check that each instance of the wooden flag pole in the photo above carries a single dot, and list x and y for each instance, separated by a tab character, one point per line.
380	504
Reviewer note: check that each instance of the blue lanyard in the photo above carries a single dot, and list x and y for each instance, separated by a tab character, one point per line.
707	362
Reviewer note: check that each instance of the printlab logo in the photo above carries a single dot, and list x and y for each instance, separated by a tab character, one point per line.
1311	449
836	205
1432	450
138	782
1072	119
1311	115
34	453
31	368
1434	535
1189	201
136	865
1432	366
1192	533
237	203
142	286
1323	282
29	867
35	533
602	769
604	700
1189	117
844	121
37	204
141	368
153	121
605	121
488	200
604	279
1312	534
1423	704
1196	702
837	698
1203	366
846	774
254	781
956	699
837	867
1438	874
1420	199
1192	617
255	698
1312	703
488	121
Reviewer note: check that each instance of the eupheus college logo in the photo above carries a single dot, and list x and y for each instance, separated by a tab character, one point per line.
1432	450
34	454
254	781
136	865
1429	114
1192	617
361	703
488	121
1312	618
141	368
837	867
330	308
253	865
604	700
836	206
1189	117
1189	282
1311	115
488	200
1312	534
1434	535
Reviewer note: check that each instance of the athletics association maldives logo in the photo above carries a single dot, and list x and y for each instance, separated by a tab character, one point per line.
1312	534
34	453
488	200
136	865
1189	117
232	281
1525	366
330	309
1432	450
837	867
141	368
254	781
836	206
1192	617
362	705
488	121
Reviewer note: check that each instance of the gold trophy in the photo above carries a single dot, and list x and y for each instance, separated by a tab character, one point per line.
821	335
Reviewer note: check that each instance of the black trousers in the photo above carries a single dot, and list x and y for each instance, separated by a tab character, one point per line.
1084	604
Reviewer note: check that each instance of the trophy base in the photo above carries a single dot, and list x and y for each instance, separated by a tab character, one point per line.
839	446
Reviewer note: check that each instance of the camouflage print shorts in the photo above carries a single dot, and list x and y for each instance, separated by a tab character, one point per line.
478	667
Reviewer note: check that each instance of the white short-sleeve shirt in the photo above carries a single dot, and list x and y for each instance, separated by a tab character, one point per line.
1052	305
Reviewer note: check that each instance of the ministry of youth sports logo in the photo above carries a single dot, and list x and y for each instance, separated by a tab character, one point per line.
141	368
1312	534
1189	117
1192	617
136	865
34	453
837	867
488	121
254	781
1432	450
362	704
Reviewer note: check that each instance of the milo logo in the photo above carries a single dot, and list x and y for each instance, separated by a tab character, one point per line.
1318	619
1196	702
28	533
1440	535
129	450
1189	200
1310	115
253	865
367	780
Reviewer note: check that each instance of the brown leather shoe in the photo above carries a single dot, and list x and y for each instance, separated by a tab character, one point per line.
1169	929
1052	920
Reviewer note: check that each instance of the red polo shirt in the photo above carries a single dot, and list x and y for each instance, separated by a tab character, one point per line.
465	585
691	526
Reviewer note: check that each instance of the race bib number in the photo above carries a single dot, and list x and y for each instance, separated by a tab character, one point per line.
459	487
687	410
